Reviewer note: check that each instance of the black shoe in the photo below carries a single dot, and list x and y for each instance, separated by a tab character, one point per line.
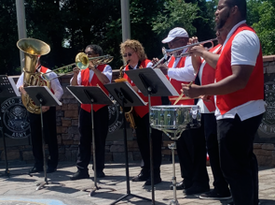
179	186
157	180
51	169
36	169
100	174
214	195
80	174
142	176
196	189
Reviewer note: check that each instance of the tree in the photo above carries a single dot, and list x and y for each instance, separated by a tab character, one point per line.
261	15
9	60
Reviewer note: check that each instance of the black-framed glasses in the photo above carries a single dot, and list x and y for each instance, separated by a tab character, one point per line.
127	54
89	53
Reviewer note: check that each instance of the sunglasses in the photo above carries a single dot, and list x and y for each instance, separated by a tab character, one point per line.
125	55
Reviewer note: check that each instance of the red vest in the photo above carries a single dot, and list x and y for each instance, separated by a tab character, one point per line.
85	74
143	110
208	77
177	84
254	88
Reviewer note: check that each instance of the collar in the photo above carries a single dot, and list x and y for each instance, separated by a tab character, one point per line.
232	31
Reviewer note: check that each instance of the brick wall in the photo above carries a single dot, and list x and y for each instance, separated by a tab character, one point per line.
68	137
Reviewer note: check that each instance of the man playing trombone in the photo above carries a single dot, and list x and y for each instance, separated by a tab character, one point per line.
92	76
191	145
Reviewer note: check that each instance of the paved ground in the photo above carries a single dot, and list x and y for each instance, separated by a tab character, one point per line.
20	188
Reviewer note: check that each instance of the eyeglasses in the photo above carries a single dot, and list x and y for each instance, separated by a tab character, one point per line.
129	54
90	53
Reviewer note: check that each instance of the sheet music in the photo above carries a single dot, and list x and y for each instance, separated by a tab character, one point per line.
168	84
130	87
48	90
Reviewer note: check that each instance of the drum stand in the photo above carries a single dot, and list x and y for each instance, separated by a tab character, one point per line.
173	147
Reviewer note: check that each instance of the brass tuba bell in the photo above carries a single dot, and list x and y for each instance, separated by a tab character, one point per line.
33	49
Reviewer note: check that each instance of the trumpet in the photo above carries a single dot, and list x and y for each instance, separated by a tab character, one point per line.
81	61
169	52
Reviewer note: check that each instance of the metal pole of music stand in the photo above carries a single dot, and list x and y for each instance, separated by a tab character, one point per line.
151	148
45	182
48	99
7	171
128	194
91	95
95	188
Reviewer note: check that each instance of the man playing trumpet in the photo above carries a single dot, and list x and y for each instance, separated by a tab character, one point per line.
191	145
92	76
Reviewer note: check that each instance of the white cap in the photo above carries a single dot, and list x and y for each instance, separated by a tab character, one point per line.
175	32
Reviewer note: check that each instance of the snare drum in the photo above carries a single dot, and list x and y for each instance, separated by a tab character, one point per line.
175	117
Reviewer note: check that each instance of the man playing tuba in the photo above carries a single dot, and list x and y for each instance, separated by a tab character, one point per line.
49	119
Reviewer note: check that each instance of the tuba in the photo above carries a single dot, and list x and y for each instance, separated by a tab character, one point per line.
128	114
33	49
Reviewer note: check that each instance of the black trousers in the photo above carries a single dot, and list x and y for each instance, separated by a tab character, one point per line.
49	121
101	118
191	150
142	133
211	138
238	162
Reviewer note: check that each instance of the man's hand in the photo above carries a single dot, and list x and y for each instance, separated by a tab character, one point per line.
155	60
163	68
91	66
76	71
22	90
45	108
192	91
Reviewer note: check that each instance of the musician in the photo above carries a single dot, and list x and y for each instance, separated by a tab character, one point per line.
239	100
49	123
206	74
191	145
133	53
92	76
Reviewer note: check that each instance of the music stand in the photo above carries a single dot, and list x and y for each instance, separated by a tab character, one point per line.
42	96
7	90
91	95
151	82
126	97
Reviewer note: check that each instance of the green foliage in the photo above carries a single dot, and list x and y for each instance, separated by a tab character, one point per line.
264	12
176	13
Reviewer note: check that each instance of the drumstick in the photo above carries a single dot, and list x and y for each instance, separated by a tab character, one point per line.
180	97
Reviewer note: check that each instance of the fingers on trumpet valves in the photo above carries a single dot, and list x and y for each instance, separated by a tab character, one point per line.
154	61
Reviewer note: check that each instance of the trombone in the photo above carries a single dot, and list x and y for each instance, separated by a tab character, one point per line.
169	52
81	61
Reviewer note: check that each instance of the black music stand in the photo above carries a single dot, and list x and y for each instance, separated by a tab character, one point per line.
7	90
91	95
126	97
152	82
42	96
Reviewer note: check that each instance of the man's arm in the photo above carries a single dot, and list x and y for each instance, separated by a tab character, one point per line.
209	57
238	80
185	73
